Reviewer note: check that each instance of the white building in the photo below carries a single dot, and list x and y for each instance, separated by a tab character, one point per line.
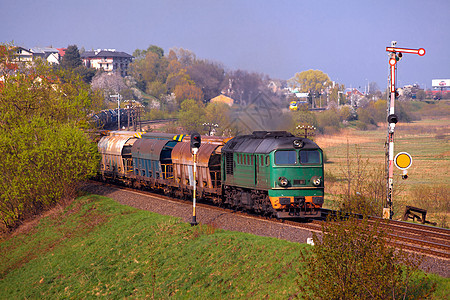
107	59
48	53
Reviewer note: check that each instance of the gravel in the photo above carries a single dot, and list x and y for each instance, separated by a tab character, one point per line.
229	220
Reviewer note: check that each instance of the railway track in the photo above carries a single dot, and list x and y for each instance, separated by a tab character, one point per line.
146	122
423	239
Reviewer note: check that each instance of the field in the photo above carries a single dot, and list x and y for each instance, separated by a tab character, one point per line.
99	248
427	141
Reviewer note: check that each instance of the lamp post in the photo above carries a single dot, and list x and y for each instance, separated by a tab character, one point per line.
305	129
210	126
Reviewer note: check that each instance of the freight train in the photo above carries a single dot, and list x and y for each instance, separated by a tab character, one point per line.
272	173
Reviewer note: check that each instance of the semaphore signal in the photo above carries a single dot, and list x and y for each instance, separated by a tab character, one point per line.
395	55
419	51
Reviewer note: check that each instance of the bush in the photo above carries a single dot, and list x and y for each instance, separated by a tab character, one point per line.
361	125
44	151
328	121
364	185
434	198
352	260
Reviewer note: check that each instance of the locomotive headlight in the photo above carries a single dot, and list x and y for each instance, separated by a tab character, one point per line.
283	182
316	180
298	144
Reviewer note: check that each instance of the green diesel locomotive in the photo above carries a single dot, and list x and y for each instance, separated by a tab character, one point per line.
274	173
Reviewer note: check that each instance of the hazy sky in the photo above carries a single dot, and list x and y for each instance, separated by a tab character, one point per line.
346	39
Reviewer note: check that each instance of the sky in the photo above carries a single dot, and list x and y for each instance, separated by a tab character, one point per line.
345	39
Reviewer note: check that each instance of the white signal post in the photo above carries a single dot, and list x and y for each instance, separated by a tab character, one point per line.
395	54
194	216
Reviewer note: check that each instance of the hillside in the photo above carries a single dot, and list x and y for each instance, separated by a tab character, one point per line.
97	247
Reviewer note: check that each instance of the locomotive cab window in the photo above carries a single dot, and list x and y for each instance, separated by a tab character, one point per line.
310	157
285	157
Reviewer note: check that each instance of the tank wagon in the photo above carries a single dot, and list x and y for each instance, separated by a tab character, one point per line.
271	173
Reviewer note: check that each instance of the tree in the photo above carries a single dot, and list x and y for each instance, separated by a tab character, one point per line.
140	54
7	64
244	86
310	81
219	113
183	56
188	91
109	83
156	89
44	152
71	58
149	66
192	116
72	61
208	76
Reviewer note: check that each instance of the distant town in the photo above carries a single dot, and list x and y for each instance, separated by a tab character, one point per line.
118	62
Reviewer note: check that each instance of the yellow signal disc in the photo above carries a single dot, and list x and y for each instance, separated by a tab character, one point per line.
403	160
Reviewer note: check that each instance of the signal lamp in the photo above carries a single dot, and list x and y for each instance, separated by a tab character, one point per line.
196	140
405	174
393	118
398	56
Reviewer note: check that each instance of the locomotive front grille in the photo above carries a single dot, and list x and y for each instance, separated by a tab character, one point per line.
299	182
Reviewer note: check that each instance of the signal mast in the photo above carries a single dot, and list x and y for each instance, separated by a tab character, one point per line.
395	54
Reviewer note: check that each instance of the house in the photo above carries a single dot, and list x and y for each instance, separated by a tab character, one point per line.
222	99
22	55
107	59
62	52
47	53
354	95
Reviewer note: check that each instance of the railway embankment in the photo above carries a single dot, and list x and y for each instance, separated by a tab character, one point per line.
97	247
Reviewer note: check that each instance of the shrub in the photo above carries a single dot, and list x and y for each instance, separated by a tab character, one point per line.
434	198
44	151
364	185
352	260
328	121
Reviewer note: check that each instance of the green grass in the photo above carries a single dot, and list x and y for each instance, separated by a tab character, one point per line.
97	247
100	248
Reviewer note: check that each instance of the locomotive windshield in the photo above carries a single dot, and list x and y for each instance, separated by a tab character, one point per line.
309	157
285	157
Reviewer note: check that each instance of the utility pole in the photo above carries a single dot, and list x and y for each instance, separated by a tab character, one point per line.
118	108
395	54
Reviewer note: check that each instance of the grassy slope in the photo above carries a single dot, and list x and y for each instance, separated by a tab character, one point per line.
97	247
100	248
